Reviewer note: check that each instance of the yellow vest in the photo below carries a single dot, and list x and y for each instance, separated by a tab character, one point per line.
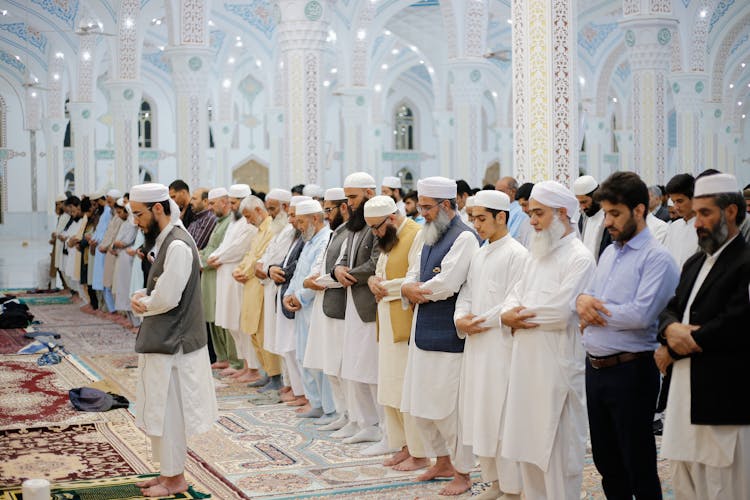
396	267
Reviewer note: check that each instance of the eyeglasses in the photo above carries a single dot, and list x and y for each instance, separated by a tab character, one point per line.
426	208
329	209
375	228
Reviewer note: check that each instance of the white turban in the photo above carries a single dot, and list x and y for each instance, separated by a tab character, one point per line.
218	192
296	200
308	207
716	184
380	206
391	182
584	185
239	191
116	193
120	202
360	180
148	193
312	190
554	195
334	194
670	203
62	197
470	202
97	194
281	195
437	187
495	200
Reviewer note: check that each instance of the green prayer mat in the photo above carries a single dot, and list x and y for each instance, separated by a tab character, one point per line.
48	300
100	489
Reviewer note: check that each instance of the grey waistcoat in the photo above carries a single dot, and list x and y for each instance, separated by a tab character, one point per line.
183	326
334	299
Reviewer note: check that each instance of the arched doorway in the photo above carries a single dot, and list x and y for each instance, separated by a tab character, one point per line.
252	173
492	173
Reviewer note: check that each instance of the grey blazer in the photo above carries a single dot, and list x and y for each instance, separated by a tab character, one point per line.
334	299
365	256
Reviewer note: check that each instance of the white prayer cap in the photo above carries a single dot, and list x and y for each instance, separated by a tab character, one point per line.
97	194
62	197
116	193
334	194
716	184
120	202
670	203
471	202
240	191
380	206
554	195
584	185
391	182
312	190
148	193
437	187
496	200
296	200
360	180
281	195
218	192
307	207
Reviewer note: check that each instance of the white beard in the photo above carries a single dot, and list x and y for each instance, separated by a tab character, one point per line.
309	233
435	230
279	222
545	240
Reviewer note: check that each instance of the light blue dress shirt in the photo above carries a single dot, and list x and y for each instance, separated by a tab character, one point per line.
101	228
635	281
515	219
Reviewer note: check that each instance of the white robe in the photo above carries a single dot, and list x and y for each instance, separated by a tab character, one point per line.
123	266
234	246
593	230
284	338
61	222
432	378
73	254
658	227
681	240
494	271
274	254
547	366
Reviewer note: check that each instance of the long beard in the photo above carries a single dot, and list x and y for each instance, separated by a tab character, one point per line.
592	210
711	241
237	214
389	239
151	233
628	230
337	221
544	241
435	230
279	222
356	220
308	234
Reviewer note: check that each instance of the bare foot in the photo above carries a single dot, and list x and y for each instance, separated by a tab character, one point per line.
149	482
460	484
237	373
287	396
397	457
247	371
246	378
285	389
166	487
413	463
220	365
303	409
298	401
228	372
437	470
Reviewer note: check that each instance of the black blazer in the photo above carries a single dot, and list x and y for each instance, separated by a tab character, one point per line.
719	375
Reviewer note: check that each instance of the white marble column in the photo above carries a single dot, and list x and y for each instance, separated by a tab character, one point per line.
544	108
301	36
624	138
222	132
444	124
124	107
466	90
598	143
275	128
83	116
355	108
688	90
54	134
711	124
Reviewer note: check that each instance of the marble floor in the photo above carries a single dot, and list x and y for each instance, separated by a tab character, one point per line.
19	261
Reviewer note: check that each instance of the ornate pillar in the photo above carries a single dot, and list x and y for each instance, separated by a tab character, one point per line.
687	91
711	124
275	128
624	138
32	123
504	137
82	116
648	38
598	140
124	106
302	33
222	132
444	124
54	133
354	114
544	108
466	91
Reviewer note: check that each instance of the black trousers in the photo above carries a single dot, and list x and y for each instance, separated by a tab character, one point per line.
620	404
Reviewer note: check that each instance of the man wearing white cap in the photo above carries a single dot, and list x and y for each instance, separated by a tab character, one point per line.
326	338
433	368
545	411
391	186
591	222
105	245
236	243
97	281
704	335
359	367
310	222
396	239
175	397
313	191
57	245
494	271
469	209
123	268
221	340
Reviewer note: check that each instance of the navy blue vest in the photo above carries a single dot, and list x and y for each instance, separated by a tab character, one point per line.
435	330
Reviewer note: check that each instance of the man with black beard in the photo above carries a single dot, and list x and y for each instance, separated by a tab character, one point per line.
619	312
703	330
359	367
591	224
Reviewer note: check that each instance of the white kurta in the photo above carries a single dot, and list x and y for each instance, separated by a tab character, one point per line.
432	378
593	230
73	254
547	366
61	222
284	339
658	227
236	244
274	254
494	271
124	266
681	240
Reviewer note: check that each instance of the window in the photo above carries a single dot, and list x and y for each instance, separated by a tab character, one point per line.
407	180
145	125
404	128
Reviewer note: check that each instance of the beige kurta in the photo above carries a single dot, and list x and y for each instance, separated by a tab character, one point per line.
123	266
252	292
109	260
61	222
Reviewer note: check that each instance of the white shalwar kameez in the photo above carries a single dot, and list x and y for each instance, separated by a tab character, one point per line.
658	227
274	255
234	246
175	395
682	240
593	230
545	425
73	254
431	381
124	266
494	271
59	245
709	462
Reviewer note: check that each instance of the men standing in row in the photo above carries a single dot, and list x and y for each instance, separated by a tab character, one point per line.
204	219
545	413
431	382
109	260
682	240
396	238
618	314
494	271
704	332
591	223
518	224
179	191
391	186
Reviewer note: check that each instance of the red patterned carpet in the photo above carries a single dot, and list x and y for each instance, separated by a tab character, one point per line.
12	340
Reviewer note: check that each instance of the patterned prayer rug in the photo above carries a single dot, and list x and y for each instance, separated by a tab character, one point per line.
65	315
11	340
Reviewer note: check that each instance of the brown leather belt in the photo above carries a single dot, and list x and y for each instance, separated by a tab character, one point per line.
617	359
